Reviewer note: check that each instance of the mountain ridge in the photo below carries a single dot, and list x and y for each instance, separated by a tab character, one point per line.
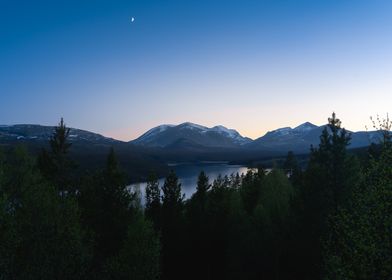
167	135
298	139
195	137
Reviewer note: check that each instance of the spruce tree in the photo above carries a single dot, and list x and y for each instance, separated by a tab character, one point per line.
331	175
172	228
172	199
59	141
202	186
153	202
359	244
198	236
56	164
107	211
250	190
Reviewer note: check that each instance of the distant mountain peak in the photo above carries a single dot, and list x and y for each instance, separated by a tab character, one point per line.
305	126
192	126
43	133
280	131
219	135
221	128
154	131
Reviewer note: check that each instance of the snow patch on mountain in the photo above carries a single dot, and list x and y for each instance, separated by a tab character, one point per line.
161	136
282	131
307	126
231	133
154	131
189	125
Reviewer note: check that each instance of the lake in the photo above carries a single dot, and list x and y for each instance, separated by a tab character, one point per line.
188	174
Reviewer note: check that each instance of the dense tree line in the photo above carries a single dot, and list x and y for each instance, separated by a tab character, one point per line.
332	220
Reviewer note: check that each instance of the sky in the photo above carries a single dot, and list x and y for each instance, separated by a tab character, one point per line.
250	65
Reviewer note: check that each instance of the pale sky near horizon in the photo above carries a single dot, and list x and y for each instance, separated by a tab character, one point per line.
249	65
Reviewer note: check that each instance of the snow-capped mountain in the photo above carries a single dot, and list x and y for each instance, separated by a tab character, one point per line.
307	126
300	138
32	132
190	134
191	137
88	149
146	137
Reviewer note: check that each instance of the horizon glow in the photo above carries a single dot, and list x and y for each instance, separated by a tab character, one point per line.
253	66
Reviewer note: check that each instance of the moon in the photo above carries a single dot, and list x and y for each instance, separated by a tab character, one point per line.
132	19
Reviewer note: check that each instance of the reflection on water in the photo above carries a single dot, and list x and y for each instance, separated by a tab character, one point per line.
188	174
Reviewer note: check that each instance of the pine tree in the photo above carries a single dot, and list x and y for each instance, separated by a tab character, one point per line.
107	210
331	172
59	141
359	243
172	200
196	210
328	183
56	165
153	202
202	186
172	227
250	190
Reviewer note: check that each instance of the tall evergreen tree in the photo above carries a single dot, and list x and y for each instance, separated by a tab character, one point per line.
197	230
153	202
250	190
107	211
200	196
172	199
359	244
56	165
59	141
172	228
329	180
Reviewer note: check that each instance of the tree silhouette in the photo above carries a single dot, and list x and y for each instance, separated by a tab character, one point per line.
153	205
56	165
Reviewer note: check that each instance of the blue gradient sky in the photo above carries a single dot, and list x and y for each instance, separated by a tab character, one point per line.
250	65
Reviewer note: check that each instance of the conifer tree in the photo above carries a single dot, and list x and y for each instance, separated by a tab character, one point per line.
202	186
107	211
172	199
56	165
172	228
251	188
359	243
153	202
329	180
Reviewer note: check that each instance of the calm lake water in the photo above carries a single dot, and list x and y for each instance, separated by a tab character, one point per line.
188	174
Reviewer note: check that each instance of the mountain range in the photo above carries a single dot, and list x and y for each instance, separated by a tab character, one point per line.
188	135
193	135
185	142
88	149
